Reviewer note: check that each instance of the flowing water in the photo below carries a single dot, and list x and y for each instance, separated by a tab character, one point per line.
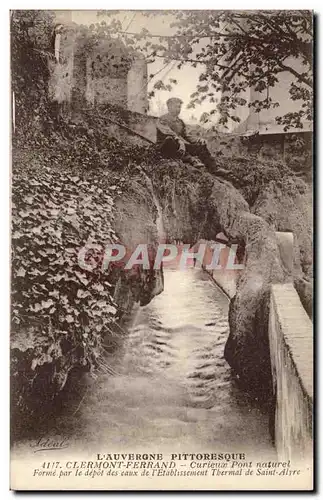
169	387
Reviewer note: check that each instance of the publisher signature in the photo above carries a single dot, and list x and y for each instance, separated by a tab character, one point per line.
47	444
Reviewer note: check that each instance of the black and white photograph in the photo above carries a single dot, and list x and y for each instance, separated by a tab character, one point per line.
161	279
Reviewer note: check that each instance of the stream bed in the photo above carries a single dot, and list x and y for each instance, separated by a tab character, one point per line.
166	386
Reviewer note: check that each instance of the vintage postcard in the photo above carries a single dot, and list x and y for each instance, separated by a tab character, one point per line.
161	250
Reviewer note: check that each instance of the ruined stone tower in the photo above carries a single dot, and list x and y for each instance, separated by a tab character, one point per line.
102	72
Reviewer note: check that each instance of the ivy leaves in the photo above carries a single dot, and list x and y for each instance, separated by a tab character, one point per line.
53	215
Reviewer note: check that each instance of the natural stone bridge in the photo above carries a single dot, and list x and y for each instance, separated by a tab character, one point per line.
191	205
198	206
290	335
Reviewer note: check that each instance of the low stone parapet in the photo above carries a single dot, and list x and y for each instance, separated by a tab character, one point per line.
291	352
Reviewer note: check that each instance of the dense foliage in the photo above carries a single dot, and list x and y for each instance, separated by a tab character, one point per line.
66	176
31	37
236	50
54	214
64	184
60	312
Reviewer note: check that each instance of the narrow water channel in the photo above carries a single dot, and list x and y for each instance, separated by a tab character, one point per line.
169	387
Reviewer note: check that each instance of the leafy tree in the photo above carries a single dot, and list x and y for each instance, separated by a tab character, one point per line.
237	50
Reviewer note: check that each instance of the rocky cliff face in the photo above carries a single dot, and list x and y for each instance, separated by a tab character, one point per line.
198	205
136	222
85	184
289	208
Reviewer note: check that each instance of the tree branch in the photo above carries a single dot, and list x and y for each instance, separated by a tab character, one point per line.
299	77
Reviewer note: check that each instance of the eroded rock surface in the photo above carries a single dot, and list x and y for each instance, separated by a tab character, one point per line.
199	206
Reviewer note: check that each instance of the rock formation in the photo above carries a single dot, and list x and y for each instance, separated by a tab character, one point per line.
132	193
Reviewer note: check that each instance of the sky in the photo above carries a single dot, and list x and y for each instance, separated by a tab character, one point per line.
187	76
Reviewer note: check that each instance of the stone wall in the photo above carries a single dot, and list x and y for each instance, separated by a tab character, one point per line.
61	71
137	99
291	352
290	335
225	278
105	72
